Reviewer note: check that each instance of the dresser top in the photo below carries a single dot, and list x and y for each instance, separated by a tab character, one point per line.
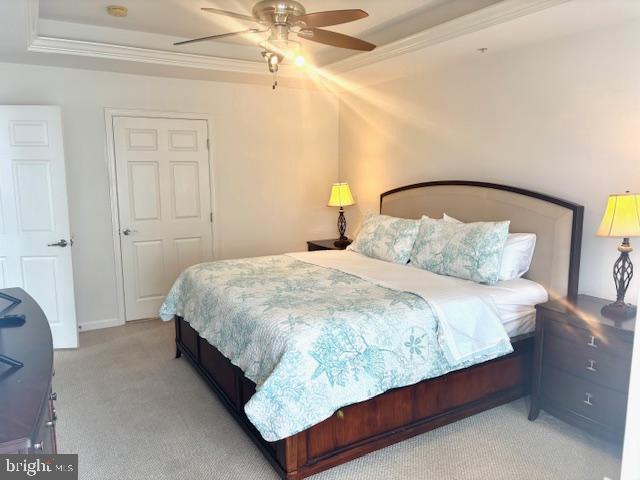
24	391
586	309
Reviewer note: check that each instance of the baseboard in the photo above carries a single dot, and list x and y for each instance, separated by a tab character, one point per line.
98	324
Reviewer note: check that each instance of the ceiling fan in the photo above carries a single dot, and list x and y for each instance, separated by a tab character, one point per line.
280	18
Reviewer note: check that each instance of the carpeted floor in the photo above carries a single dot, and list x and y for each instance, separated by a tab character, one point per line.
132	411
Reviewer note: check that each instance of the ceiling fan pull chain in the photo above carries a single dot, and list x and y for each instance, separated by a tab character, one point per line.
275	80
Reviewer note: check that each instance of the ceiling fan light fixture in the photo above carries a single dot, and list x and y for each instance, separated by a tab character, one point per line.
273	60
300	61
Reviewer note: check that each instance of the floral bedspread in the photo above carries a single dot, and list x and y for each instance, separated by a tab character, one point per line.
313	339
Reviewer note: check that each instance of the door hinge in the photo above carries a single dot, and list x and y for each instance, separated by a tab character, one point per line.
211	217
208	145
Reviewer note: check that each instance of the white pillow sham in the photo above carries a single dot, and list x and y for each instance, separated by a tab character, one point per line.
517	255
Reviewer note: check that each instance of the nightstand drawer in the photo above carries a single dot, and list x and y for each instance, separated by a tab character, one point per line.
589	340
586	399
591	364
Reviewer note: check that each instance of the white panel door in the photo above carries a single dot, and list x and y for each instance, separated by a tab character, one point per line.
35	241
164	204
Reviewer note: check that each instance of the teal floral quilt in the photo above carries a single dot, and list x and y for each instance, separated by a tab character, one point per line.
313	339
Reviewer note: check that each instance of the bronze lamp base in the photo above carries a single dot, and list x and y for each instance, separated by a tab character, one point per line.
619	311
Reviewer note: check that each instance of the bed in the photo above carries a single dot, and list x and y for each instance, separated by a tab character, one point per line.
389	415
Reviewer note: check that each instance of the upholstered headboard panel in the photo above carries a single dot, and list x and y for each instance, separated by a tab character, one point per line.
556	223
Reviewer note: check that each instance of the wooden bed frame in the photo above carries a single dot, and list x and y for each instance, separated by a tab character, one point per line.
392	416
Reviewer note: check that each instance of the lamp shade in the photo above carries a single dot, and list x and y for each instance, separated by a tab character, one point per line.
340	195
622	216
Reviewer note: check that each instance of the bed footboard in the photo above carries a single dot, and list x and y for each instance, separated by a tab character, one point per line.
364	427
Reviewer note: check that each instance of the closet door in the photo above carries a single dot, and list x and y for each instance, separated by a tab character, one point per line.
164	205
35	241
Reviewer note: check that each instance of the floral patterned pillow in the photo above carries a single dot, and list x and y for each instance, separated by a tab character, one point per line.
386	238
472	251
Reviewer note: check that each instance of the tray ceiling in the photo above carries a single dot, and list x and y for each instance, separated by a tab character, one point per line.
157	23
410	34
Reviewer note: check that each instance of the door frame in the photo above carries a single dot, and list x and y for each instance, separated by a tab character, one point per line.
109	115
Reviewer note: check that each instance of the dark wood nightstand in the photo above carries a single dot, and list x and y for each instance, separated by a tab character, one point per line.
581	366
313	245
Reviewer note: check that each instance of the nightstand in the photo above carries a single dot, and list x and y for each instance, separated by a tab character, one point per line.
313	245
582	363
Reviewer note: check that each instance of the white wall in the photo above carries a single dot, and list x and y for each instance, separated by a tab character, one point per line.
275	156
561	117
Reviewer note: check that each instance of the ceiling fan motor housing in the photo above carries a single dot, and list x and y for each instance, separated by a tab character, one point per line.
277	11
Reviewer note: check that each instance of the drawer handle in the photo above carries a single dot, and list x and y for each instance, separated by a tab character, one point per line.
340	414
592	342
587	399
591	366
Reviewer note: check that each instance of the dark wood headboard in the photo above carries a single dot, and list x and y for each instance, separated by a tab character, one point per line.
557	223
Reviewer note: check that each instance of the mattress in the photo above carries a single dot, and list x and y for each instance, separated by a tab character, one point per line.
515	301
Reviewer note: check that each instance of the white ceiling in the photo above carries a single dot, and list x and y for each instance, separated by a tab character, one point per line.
182	18
388	20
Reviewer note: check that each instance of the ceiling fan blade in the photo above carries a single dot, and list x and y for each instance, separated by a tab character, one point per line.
227	13
223	35
335	39
331	17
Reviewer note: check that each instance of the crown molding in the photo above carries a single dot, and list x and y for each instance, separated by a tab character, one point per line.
32	14
486	17
145	55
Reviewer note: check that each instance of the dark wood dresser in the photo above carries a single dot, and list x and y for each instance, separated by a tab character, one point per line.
582	364
27	414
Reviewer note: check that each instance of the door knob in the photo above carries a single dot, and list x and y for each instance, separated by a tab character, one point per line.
60	243
128	231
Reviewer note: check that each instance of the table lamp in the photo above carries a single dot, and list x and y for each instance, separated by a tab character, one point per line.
621	219
341	197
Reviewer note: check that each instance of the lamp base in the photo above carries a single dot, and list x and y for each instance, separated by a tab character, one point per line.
619	311
342	242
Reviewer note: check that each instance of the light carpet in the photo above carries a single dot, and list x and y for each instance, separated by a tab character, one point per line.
132	411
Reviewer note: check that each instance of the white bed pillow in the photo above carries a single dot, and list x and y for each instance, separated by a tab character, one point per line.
517	255
386	238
